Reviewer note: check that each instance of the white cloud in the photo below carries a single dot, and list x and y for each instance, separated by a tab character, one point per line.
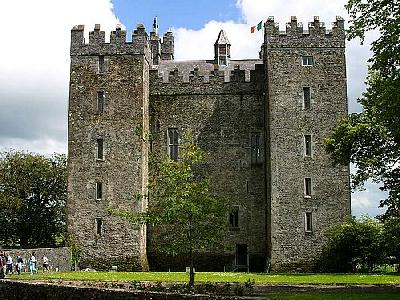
256	10
367	200
45	145
199	44
34	67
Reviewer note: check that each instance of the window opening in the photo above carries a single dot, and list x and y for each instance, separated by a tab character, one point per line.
307	145
308	222
307	187
234	217
307	97
173	145
100	149
308	60
99	190
99	225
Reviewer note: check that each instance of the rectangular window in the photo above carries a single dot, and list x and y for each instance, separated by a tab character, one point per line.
222	49
99	190
308	222
255	145
173	144
100	102
307	145
234	217
306	97
101	67
308	60
100	149
222	60
307	187
99	226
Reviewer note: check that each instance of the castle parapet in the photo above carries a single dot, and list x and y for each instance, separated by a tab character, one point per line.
316	34
118	41
192	77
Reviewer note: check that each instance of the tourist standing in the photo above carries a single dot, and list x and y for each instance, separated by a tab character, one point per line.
45	263
19	262
32	263
9	264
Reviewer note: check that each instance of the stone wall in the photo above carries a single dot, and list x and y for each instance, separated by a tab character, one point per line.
289	121
222	113
59	258
121	124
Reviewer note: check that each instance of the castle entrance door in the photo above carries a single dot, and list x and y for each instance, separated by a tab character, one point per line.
241	258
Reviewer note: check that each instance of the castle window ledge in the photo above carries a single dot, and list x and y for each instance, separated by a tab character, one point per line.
307	196
100	159
234	229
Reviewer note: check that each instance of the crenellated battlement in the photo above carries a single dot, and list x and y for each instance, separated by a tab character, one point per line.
316	34
118	41
204	74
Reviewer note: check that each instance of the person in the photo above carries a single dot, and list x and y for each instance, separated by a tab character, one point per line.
18	263
9	264
32	263
2	264
45	263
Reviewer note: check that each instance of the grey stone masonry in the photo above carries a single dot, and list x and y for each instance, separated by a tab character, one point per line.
326	200
261	121
120	170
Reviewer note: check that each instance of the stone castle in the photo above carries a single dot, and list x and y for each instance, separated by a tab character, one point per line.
261	121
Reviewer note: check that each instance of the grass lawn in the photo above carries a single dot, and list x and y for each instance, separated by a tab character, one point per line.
289	278
334	296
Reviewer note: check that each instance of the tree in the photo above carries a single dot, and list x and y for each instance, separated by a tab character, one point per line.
182	211
391	240
353	245
371	139
32	199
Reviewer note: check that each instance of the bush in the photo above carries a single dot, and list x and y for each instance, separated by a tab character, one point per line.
356	245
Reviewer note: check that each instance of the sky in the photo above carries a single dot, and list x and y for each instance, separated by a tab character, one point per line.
34	55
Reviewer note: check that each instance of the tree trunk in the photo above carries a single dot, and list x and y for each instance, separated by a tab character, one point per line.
191	273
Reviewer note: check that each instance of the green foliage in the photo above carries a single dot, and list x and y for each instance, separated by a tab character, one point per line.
370	139
355	245
391	240
33	191
183	214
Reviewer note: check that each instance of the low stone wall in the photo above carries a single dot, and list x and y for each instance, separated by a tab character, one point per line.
59	258
30	290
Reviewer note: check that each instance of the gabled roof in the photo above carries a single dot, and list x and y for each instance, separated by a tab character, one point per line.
222	39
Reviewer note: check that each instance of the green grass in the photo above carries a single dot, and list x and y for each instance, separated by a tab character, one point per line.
223	277
334	296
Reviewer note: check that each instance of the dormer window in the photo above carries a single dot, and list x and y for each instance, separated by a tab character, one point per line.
222	50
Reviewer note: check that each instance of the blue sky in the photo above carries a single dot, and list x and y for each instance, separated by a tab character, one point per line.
191	14
34	57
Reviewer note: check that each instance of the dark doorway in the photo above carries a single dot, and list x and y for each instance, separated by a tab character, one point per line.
242	258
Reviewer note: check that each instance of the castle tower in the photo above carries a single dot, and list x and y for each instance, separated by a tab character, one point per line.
222	49
167	46
305	98
107	153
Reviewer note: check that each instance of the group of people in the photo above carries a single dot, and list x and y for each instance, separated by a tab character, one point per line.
7	264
